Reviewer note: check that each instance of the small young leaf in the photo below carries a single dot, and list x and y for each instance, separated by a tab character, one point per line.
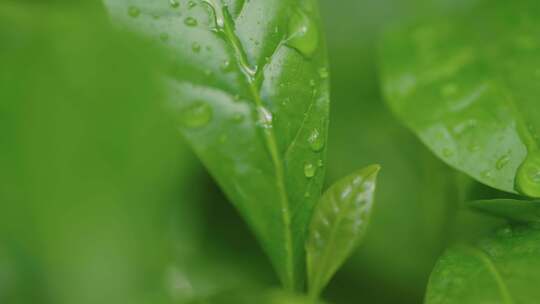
501	269
515	210
245	79
467	88
338	225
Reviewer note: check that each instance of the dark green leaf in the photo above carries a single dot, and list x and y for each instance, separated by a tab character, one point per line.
515	210
502	269
467	88
248	80
338	226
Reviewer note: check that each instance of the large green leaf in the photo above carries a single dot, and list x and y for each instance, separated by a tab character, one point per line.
467	87
501	269
248	80
339	223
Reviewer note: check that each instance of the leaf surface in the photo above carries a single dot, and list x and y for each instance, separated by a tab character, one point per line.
248	80
339	223
515	210
502	269
467	88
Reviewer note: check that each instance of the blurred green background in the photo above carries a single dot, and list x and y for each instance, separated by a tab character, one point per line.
101	202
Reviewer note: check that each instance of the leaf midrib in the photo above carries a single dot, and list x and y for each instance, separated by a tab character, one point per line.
492	269
250	74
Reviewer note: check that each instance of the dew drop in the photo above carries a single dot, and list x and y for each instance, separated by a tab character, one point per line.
447	152
265	117
502	162
473	147
164	37
487	174
316	141
323	73
226	66
528	175
174	3
238	117
191	4
197	115
134	11
309	170
303	34
196	47
190	21
505	232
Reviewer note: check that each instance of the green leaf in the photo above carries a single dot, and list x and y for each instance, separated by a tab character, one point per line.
87	161
515	210
339	224
248	80
467	88
500	269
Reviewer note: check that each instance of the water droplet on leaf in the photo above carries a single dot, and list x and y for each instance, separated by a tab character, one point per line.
134	11
528	175
316	141
197	115
309	170
196	47
303	34
502	162
265	117
190	21
174	3
323	73
164	37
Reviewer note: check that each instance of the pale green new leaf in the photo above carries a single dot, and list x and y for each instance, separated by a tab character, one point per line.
468	88
502	269
248	80
339	223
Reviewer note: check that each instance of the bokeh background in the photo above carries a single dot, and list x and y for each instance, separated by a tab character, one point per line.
102	202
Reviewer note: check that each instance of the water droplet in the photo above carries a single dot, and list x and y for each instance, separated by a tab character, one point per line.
197	115
191	4
320	163
134	11
505	232
309	170
528	175
303	34
473	147
226	66
164	37
238	117
447	152
323	73
196	47
190	21
265	117
174	3
487	174
316	141
502	162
